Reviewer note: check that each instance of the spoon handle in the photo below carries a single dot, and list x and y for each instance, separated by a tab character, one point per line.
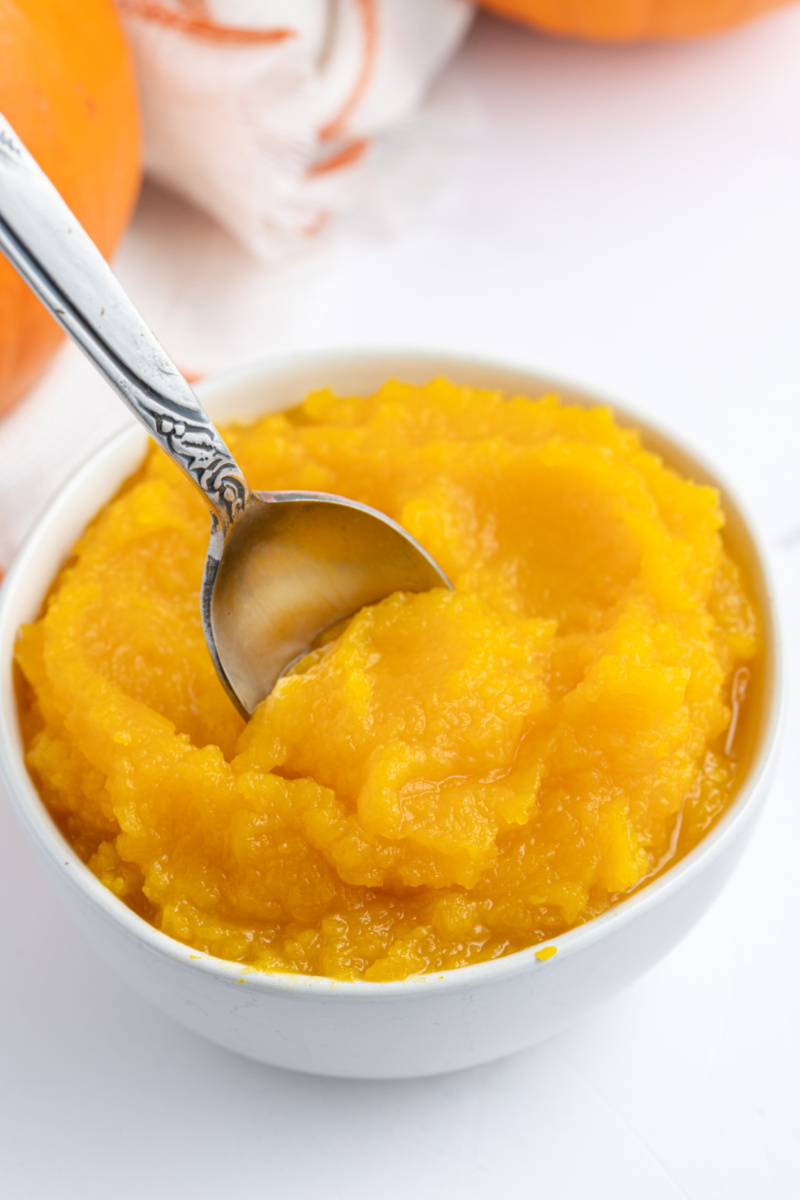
44	242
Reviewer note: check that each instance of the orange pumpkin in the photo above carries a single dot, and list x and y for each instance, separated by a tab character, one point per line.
67	87
632	20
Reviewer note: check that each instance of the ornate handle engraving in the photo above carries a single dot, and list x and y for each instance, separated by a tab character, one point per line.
203	456
44	242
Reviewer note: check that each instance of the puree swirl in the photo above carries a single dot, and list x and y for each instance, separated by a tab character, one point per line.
456	775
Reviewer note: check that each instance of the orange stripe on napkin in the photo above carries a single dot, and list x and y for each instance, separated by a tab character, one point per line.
348	154
197	25
369	18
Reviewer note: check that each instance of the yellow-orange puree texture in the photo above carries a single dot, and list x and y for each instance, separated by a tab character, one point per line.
459	774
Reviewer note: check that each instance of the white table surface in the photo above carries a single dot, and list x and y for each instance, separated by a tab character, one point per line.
627	218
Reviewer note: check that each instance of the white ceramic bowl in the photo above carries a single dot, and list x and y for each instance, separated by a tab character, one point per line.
431	1023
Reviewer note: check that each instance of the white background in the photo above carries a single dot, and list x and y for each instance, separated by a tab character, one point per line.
626	218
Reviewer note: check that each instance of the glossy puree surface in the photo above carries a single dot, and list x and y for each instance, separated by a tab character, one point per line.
457	775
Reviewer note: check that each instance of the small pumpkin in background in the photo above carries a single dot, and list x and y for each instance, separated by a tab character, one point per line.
67	87
632	20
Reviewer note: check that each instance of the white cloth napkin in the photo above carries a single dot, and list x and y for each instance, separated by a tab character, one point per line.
265	112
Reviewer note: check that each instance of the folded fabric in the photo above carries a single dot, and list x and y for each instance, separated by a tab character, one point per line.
263	112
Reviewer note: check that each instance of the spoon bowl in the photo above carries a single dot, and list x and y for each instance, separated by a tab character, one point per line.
294	564
282	566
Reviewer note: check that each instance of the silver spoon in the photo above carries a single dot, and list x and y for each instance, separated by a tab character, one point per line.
281	566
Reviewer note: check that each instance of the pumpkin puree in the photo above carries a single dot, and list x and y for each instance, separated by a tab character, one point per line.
458	774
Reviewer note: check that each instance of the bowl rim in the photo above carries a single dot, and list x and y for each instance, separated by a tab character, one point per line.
42	828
